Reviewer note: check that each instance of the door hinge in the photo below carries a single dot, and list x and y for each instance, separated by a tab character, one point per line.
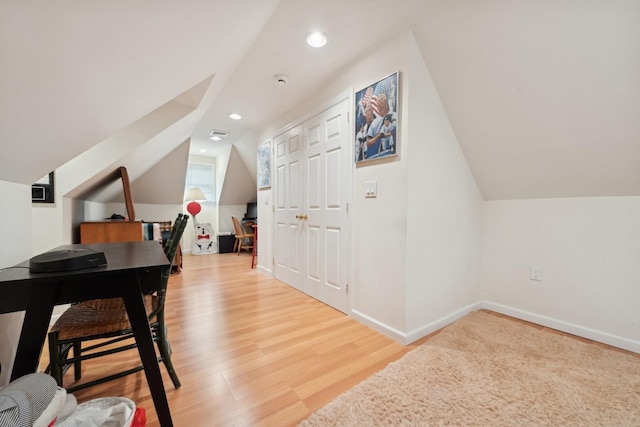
273	261
347	289
347	209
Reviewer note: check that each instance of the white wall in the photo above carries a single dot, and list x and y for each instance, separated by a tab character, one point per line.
154	141
47	229
226	211
443	209
379	239
150	213
95	211
146	212
265	236
222	163
377	279
589	251
416	246
15	229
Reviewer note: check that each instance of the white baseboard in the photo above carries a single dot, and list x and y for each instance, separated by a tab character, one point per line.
569	328
378	326
440	323
416	334
264	269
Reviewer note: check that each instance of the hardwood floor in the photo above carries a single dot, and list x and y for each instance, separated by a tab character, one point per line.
249	350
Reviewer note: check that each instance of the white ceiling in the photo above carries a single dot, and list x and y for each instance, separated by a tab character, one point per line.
544	97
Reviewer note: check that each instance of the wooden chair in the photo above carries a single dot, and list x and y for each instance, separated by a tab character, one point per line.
165	228
103	323
241	235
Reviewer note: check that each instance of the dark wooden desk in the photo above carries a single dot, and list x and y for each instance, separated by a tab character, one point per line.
133	268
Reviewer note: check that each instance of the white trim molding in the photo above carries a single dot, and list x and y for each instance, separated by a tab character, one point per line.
569	328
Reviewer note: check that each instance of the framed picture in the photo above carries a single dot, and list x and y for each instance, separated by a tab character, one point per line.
376	112
264	165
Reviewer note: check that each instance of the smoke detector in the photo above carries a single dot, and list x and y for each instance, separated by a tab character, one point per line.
281	79
218	135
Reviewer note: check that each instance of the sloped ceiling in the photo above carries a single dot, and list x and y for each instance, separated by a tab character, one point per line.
164	181
239	186
74	73
543	96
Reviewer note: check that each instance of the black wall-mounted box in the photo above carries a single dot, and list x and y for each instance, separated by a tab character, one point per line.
42	191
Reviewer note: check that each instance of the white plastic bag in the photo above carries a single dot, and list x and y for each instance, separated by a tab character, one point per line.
102	412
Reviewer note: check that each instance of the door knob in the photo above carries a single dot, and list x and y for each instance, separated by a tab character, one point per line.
303	216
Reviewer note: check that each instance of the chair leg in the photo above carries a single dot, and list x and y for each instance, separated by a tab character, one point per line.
54	358
165	350
77	365
253	253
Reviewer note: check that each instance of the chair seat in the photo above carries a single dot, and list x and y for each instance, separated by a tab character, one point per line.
97	317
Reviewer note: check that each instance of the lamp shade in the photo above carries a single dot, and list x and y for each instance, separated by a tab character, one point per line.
194	193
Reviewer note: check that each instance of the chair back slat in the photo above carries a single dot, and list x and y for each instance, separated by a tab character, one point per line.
239	229
170	248
175	235
236	226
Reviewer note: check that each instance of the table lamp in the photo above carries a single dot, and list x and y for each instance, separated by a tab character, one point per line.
193	195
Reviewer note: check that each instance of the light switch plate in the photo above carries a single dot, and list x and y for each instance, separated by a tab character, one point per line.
371	189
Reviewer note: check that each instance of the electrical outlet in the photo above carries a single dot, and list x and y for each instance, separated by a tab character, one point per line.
535	273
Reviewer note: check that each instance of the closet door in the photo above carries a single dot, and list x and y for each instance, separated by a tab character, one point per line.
288	259
312	164
327	156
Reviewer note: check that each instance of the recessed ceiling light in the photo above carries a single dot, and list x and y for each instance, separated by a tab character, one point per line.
235	116
316	39
203	150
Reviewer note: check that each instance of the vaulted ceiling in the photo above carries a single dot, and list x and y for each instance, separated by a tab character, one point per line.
544	97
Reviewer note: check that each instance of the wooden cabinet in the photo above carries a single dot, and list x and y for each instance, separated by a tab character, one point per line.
111	231
118	230
106	231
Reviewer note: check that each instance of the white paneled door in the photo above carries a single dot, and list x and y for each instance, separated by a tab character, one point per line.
288	206
312	163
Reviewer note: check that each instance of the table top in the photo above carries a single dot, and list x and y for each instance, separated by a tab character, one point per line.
145	259
132	268
120	256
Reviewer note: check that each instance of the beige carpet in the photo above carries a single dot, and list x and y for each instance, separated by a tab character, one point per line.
485	370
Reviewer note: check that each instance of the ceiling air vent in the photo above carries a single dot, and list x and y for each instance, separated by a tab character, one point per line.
218	135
